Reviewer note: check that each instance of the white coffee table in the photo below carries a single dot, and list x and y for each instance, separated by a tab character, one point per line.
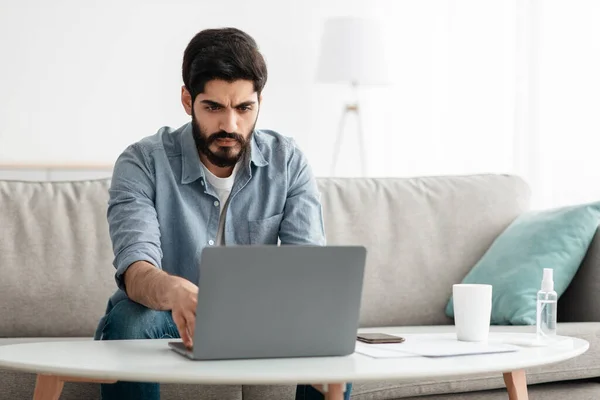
152	361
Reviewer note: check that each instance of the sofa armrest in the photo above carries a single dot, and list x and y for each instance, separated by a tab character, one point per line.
580	302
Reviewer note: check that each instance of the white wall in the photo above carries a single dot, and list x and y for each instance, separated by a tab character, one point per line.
80	80
569	101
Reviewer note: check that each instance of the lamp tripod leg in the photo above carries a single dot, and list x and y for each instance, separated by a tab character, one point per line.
361	145
338	141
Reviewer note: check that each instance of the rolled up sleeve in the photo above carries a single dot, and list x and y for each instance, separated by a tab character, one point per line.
302	222
132	218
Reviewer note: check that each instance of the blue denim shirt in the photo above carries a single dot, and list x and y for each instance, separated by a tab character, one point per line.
162	209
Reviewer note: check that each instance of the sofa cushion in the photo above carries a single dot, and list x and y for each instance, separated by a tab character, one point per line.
20	385
55	258
558	239
422	236
578	390
580	302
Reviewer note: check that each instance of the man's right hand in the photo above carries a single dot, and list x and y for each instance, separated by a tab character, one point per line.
183	299
158	290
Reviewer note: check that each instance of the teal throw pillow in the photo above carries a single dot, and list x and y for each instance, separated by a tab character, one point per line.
513	265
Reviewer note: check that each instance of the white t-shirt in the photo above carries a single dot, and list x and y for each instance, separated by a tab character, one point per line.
222	186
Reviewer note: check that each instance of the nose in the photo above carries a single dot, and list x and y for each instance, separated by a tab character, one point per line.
229	122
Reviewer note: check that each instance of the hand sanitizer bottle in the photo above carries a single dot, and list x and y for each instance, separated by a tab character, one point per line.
546	308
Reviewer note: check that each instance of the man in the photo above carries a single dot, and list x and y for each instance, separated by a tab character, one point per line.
214	181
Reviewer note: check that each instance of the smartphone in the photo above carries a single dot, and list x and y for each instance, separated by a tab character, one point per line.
377	338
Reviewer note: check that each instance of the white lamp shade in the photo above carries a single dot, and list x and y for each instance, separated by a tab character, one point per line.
352	50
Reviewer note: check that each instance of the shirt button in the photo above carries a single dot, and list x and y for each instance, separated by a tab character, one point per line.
216	203
211	242
202	183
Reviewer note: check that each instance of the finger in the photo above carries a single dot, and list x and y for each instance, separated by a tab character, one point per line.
182	328
194	305
191	325
185	335
190	343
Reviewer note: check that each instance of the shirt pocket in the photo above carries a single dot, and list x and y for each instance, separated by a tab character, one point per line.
265	231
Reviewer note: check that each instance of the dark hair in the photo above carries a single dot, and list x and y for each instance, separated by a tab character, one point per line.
228	54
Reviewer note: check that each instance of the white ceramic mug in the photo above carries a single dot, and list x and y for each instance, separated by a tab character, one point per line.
472	311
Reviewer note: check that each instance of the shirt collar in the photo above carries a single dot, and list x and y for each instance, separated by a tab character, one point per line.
191	167
256	155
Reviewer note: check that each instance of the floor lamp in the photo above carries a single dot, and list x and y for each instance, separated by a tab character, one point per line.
352	52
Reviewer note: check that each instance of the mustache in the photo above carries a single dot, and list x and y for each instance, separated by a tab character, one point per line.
226	135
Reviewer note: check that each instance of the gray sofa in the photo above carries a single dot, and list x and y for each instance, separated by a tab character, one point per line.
422	235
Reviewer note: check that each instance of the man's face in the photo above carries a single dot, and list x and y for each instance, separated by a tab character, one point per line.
223	119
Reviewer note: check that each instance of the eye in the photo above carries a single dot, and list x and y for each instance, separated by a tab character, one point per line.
212	108
244	108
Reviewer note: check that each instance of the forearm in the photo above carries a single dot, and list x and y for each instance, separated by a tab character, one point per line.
150	286
157	290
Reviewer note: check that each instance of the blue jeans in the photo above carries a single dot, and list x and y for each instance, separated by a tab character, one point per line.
131	320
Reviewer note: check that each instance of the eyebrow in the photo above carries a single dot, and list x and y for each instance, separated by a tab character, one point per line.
215	104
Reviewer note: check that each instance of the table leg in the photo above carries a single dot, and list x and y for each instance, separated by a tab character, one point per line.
516	384
333	391
48	387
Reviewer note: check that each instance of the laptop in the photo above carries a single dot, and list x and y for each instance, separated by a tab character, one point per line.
277	301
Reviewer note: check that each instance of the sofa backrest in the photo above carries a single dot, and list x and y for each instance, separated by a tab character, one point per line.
422	235
56	269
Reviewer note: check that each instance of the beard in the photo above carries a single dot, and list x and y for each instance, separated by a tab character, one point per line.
224	156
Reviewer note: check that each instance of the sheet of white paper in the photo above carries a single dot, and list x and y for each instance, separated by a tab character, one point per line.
434	347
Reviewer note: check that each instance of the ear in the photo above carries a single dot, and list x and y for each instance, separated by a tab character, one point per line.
260	99
186	100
